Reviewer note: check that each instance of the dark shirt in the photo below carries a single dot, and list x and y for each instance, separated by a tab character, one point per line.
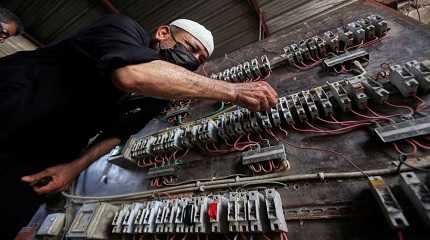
52	100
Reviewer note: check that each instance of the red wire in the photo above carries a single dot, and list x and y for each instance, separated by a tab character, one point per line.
423	105
313	127
347	123
266	171
414	148
421	145
272	134
369	117
335	131
411	110
400	235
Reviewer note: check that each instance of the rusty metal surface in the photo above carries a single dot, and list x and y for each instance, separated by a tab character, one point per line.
407	40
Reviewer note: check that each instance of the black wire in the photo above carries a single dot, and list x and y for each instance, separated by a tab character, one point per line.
402	161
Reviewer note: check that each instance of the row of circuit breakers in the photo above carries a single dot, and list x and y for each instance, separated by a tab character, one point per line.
292	109
312	49
233	212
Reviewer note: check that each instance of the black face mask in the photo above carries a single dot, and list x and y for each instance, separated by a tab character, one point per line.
179	55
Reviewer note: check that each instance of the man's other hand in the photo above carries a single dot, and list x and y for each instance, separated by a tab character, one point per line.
62	176
256	96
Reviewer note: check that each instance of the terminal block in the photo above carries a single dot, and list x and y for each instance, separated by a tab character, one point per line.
421	70
309	104
418	193
321	46
297	53
341	96
356	91
52	227
275	153
217	214
303	48
403	80
169	216
322	101
92	221
275	212
388	203
375	90
346	58
161	171
257	212
404	130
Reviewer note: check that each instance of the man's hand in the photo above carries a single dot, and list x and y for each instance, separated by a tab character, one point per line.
256	96
62	176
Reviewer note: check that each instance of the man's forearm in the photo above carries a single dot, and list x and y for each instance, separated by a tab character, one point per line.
95	152
166	80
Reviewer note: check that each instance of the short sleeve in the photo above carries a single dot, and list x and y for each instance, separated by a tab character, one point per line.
114	42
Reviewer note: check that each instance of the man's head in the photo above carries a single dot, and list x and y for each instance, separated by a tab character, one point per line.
10	24
184	42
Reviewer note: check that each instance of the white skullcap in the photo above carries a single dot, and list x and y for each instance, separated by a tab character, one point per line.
198	31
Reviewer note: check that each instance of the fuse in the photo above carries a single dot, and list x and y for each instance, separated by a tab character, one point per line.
257	212
381	26
247	70
369	28
275	212
265	120
200	215
255	69
297	53
421	70
284	110
358	32
298	107
129	219
150	215
309	104
242	212
403	80
217	214
321	46
322	101
388	203
303	48
346	38
119	218
375	90
265	67
51	227
340	95
313	49
356	91
179	216
332	41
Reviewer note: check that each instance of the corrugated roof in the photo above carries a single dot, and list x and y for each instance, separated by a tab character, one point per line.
234	23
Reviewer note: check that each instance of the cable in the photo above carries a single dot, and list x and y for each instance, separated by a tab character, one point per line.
403	161
411	110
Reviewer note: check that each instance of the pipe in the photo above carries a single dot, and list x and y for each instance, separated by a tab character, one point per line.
237	182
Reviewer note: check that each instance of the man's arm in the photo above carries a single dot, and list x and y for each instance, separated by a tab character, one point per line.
63	174
165	80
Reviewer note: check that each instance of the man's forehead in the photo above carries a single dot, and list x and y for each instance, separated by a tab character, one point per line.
198	44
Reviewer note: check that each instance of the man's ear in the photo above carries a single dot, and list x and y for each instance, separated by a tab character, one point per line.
162	33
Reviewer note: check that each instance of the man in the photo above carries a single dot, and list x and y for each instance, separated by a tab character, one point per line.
54	99
10	25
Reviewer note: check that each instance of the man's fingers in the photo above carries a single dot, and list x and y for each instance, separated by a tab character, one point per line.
37	176
50	187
